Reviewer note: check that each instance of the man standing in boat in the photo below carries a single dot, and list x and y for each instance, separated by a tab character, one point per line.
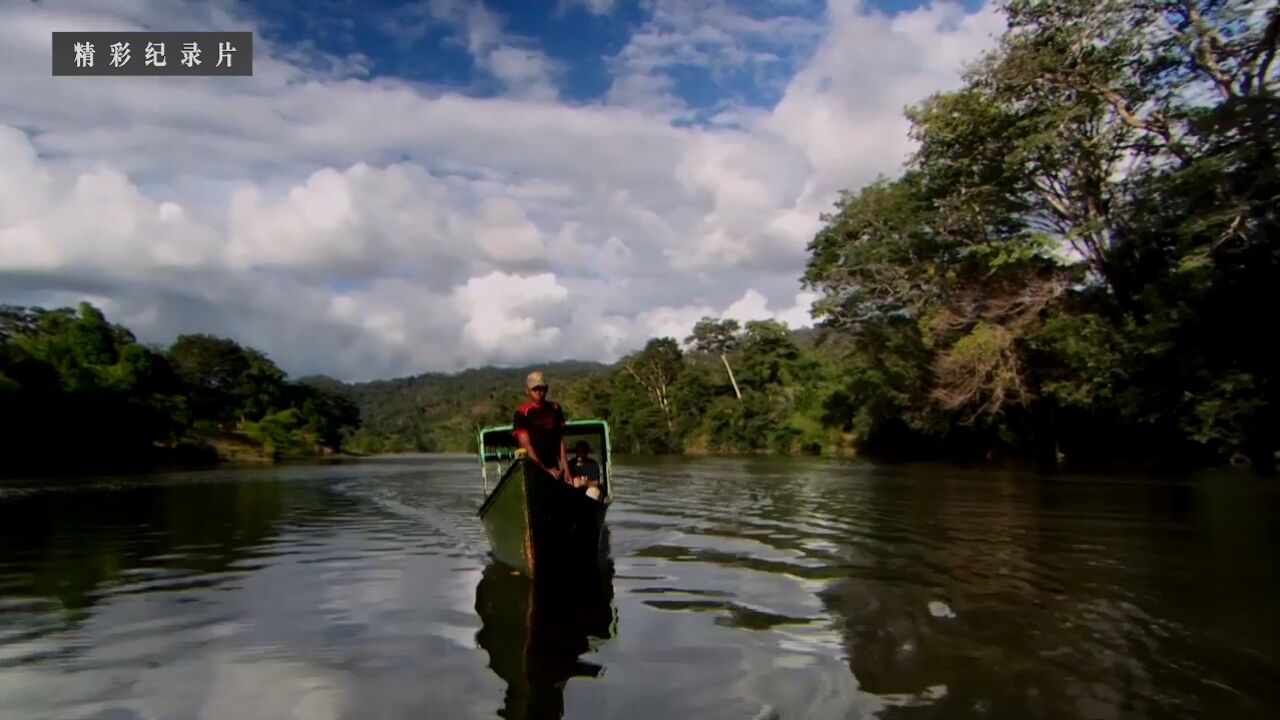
539	428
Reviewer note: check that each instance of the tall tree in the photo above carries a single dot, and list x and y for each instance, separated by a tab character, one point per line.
655	368
1108	171
718	337
212	368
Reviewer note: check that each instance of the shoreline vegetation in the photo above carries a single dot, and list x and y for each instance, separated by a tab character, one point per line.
1076	269
81	394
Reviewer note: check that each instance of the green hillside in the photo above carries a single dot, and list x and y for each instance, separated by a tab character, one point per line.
664	398
439	412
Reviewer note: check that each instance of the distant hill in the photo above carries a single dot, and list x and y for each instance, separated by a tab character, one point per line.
434	412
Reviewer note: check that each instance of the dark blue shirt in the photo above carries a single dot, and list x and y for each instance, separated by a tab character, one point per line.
585	468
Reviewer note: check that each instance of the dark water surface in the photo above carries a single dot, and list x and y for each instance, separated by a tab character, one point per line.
745	589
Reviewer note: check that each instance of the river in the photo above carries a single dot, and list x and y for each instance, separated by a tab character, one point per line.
748	588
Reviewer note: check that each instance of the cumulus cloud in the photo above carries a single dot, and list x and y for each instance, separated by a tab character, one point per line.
843	110
374	227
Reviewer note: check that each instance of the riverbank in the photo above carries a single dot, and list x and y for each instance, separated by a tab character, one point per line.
210	449
240	446
198	450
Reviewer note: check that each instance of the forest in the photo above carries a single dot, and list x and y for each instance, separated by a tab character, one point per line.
81	394
1076	267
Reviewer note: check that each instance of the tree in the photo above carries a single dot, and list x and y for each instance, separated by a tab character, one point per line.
228	382
213	368
325	411
718	337
655	368
260	388
769	349
17	322
74	380
1109	171
1179	215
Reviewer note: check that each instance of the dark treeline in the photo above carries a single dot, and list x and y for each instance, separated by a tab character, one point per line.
1078	266
81	393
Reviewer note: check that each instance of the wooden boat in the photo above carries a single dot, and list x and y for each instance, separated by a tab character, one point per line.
537	524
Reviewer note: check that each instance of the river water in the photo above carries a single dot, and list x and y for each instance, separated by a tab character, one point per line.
739	588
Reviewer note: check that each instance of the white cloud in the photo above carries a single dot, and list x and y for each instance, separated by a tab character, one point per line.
755	306
844	109
499	307
716	37
378	227
595	7
524	70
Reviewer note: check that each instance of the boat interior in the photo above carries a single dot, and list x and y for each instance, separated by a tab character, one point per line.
497	449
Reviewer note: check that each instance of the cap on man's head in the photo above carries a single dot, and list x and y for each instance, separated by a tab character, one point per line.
534	380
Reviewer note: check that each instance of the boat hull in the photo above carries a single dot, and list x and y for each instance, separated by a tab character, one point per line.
539	525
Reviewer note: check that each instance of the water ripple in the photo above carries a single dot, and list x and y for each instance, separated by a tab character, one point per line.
739	588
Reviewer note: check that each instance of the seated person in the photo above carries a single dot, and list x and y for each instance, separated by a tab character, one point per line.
585	470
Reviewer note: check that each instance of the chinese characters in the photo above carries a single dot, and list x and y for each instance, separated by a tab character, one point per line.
84	54
153	53
119	54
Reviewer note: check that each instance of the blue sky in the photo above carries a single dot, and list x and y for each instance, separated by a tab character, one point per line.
441	184
404	40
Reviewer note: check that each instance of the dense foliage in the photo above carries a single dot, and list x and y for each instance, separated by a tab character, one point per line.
79	392
727	388
1079	258
438	412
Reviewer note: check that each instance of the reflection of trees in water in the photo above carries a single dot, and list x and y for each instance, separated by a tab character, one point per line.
536	633
927	551
67	544
1070	600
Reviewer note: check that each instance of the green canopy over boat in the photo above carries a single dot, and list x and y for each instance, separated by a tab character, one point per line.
534	521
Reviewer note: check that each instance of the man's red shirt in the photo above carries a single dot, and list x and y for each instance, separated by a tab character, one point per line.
545	427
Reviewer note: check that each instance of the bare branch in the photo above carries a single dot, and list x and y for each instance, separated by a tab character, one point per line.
1233	230
1267	45
1202	52
1156	124
988	377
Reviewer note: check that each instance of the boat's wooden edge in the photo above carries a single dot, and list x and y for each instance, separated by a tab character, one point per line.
516	553
527	473
499	487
